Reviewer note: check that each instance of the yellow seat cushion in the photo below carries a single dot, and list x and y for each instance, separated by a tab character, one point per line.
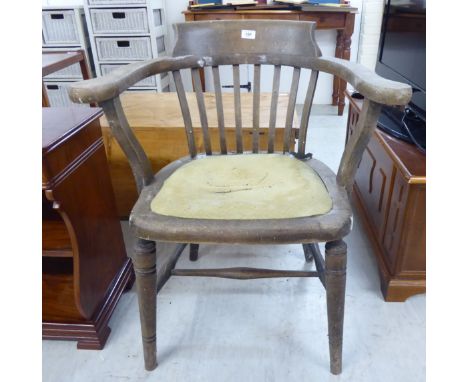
247	186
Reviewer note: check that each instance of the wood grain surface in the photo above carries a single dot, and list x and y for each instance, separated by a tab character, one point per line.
156	120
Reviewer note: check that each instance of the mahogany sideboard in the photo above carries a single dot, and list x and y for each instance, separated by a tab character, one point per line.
84	263
339	18
390	193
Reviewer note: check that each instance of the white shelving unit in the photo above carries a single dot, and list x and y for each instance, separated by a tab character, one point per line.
64	29
122	32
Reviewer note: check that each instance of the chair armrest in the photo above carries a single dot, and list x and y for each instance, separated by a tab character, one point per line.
365	81
111	85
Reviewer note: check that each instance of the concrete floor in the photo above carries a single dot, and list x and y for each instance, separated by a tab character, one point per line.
260	330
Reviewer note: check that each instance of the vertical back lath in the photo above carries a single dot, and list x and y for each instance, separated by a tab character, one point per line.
185	112
237	107
273	108
219	109
291	108
306	113
201	109
256	108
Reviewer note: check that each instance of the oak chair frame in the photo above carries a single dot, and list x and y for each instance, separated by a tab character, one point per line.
211	44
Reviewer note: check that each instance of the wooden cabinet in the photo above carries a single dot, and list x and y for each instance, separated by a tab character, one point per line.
157	122
390	192
84	263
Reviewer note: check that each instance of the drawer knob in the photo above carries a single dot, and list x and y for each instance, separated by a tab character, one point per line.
118	15
123	44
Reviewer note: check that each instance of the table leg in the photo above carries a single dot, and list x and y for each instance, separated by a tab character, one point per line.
84	66
345	53
336	80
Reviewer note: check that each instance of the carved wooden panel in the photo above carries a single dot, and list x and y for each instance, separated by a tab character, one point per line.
391	238
413	236
373	177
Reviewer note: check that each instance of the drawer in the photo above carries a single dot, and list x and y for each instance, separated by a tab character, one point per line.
124	20
58	94
70	72
112	2
123	48
59	27
147	82
213	16
328	21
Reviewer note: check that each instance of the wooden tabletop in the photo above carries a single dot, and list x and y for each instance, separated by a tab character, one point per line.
52	62
146	110
60	123
315	8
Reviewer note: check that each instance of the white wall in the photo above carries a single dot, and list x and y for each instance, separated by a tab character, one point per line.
326	40
369	38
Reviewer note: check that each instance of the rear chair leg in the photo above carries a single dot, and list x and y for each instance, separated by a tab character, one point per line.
144	264
308	254
335	282
194	252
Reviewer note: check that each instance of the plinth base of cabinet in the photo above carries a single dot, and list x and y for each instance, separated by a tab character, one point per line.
394	289
92	334
398	290
89	336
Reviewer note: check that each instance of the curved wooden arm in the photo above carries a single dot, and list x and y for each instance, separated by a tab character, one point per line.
111	85
365	81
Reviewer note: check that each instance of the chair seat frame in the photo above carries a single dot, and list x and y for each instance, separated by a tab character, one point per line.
330	226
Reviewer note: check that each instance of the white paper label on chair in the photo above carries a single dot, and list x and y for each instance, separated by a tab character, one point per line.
248	34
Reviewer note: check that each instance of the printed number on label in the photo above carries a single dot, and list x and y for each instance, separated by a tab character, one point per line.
249	34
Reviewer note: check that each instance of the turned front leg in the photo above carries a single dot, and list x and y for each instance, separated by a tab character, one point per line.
335	283
308	253
144	264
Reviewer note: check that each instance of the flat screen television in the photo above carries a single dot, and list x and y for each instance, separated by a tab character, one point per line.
402	57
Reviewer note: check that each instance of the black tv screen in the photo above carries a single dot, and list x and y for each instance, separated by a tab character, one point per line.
402	53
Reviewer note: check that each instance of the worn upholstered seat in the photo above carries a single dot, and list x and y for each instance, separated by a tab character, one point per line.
263	186
319	186
271	195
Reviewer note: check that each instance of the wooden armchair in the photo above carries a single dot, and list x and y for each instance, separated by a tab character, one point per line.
273	197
